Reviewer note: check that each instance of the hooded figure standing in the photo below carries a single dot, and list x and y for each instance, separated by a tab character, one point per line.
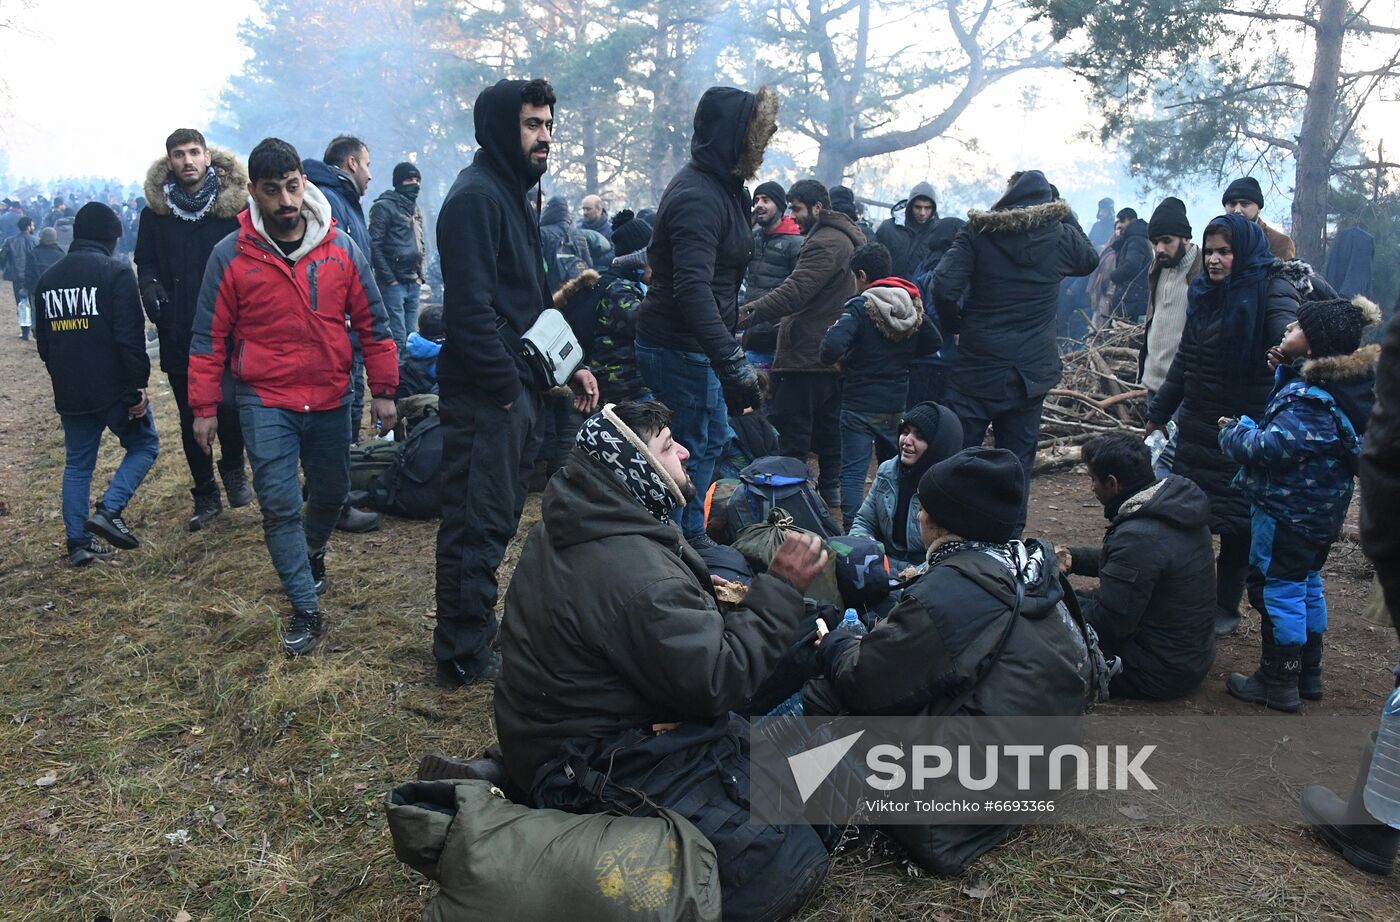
700	248
997	288
493	291
909	240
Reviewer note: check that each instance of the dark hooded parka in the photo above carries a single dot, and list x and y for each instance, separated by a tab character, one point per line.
909	242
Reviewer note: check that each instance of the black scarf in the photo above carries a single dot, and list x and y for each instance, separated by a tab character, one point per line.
607	439
192	207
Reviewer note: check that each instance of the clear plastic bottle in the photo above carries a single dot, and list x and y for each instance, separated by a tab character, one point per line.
851	622
1382	796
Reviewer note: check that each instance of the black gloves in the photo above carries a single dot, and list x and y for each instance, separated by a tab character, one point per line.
154	299
739	380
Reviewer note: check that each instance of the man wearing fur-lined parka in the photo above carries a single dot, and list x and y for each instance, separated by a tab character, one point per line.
193	196
997	288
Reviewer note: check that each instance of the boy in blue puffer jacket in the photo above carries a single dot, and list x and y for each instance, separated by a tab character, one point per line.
418	364
1297	467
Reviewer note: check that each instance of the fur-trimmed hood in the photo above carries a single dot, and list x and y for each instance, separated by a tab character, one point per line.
894	307
584	281
1335	369
1017	220
233	184
763	124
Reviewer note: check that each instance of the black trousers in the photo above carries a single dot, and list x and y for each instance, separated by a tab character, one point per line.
1015	422
806	410
1232	569
230	434
487	453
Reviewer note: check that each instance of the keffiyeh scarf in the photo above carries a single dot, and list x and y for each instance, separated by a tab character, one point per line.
193	207
608	440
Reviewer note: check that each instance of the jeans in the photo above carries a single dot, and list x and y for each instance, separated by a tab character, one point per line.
686	383
277	441
807	414
1015	422
357	388
230	439
860	432
487	453
401	301
559	426
82	434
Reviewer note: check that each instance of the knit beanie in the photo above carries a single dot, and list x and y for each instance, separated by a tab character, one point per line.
939	427
1169	220
773	191
405	171
1246	188
607	439
976	494
630	236
48	235
95	221
1334	327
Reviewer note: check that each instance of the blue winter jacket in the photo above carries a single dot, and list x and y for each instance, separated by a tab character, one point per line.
340	190
876	517
419	348
1299	462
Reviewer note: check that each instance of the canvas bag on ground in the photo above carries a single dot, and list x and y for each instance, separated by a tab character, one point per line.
496	860
760	541
368	459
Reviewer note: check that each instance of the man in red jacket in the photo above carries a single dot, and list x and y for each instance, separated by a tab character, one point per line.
276	292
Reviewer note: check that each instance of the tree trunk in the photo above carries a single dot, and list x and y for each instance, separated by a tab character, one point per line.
590	153
1314	172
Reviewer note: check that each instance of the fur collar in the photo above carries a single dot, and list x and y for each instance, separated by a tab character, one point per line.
1334	369
1141	498
1295	272
763	124
1017	220
584	281
233	184
895	314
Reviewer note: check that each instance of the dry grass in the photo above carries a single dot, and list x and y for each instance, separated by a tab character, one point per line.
197	770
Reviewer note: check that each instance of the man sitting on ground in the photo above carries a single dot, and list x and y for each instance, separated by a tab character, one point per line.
1155	606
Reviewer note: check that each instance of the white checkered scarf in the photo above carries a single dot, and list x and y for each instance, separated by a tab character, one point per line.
608	440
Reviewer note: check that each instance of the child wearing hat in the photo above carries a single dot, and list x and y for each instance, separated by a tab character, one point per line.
1297	467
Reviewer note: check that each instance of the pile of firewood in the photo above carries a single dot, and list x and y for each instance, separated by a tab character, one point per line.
1098	393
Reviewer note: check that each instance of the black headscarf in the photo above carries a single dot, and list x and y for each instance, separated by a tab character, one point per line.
1242	296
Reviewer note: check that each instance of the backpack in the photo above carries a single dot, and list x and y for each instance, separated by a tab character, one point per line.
414	409
368	459
414	378
411	487
776	481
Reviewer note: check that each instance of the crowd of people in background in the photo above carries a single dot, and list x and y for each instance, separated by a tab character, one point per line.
726	316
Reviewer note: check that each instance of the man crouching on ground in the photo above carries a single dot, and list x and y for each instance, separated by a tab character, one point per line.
614	650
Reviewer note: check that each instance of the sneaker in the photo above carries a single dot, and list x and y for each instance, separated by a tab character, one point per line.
304	633
318	570
206	510
451	675
236	488
83	554
107	523
357	520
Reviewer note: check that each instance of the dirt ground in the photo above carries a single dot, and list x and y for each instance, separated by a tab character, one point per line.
163	761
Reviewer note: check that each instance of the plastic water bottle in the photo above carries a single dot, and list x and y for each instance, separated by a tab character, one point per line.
852	623
1382	797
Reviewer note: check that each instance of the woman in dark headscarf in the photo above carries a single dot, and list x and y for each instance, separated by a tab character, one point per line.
1238	306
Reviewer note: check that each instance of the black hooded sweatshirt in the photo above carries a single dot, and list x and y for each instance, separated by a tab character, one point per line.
492	264
701	242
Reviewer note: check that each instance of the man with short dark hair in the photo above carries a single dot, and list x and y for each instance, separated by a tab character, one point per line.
908	240
277	293
1155	605
494	291
18	259
1244	197
776	242
193	196
396	249
806	405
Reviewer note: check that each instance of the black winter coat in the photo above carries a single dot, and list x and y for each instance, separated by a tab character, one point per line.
1380	474
396	239
875	339
44	257
611	625
171	253
1131	270
1197	384
1009	263
701	242
775	252
908	243
90	332
1155	605
492	264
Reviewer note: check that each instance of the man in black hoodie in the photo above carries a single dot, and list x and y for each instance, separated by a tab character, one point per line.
91	336
908	241
700	248
997	290
1130	273
494	290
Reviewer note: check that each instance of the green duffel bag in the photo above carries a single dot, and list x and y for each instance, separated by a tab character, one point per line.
760	541
368	459
496	860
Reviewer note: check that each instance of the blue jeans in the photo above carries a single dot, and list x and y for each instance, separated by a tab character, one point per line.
401	301
686	383
277	442
860	432
82	434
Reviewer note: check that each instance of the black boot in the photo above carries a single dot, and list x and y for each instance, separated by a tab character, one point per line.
1229	591
1347	827
357	520
206	507
1310	679
1275	684
236	487
318	570
24	333
108	523
1226	622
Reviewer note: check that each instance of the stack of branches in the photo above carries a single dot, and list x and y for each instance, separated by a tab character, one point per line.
1098	393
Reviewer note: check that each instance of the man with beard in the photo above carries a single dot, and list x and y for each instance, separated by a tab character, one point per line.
1176	261
1244	197
776	242
273	306
908	241
494	290
396	245
700	246
193	196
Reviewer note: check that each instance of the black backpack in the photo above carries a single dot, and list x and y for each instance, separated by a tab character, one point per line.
778	481
412	486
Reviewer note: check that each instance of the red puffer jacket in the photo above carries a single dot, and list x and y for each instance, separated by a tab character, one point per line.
283	318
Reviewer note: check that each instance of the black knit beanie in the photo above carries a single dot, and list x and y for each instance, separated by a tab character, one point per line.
95	221
630	236
773	191
1169	220
1246	188
1334	327
939	427
405	171
976	494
